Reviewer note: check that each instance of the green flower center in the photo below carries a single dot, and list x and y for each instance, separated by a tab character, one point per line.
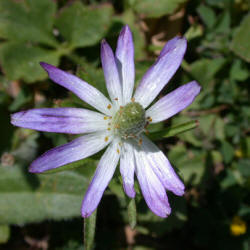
129	121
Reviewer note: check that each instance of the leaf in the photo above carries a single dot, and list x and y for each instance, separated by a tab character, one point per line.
84	26
191	166
205	69
156	8
21	61
132	213
89	231
227	151
240	44
174	130
29	198
4	233
238	72
81	163
28	20
207	15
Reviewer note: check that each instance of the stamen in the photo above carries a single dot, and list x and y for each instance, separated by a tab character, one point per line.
109	129
117	125
105	117
149	119
132	99
140	142
118	151
106	138
109	106
116	99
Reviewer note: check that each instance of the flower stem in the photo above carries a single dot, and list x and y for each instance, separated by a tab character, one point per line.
172	131
89	231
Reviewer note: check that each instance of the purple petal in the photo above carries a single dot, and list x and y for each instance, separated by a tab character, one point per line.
152	189
75	150
162	167
174	102
60	120
169	46
160	73
127	169
104	172
83	90
125	59
111	73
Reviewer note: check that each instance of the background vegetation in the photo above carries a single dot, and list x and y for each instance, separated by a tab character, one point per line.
43	211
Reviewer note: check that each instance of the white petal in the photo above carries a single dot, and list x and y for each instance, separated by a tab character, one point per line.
61	120
127	169
111	74
152	189
125	62
101	179
162	167
173	102
82	89
161	72
75	150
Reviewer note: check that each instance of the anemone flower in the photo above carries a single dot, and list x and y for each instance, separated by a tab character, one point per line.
120	124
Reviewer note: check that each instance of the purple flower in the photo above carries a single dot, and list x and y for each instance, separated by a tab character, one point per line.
119	124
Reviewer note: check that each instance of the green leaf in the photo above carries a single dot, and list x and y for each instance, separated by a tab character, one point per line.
4	233
29	198
156	8
81	163
132	213
172	131
194	31
89	231
24	96
84	26
227	151
241	37
191	166
207	15
205	69
238	72
21	61
28	20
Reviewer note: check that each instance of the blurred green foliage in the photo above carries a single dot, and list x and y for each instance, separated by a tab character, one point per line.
213	159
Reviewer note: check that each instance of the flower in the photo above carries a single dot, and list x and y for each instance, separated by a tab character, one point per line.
119	124
238	226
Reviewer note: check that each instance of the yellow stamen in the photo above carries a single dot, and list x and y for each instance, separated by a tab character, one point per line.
109	106
106	138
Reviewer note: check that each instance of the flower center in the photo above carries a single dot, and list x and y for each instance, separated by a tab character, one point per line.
129	121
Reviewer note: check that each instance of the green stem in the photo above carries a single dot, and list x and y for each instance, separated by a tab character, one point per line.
89	231
172	131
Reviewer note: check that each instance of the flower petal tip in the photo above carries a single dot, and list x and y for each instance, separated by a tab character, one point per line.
125	30
85	214
165	213
130	192
34	170
47	67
